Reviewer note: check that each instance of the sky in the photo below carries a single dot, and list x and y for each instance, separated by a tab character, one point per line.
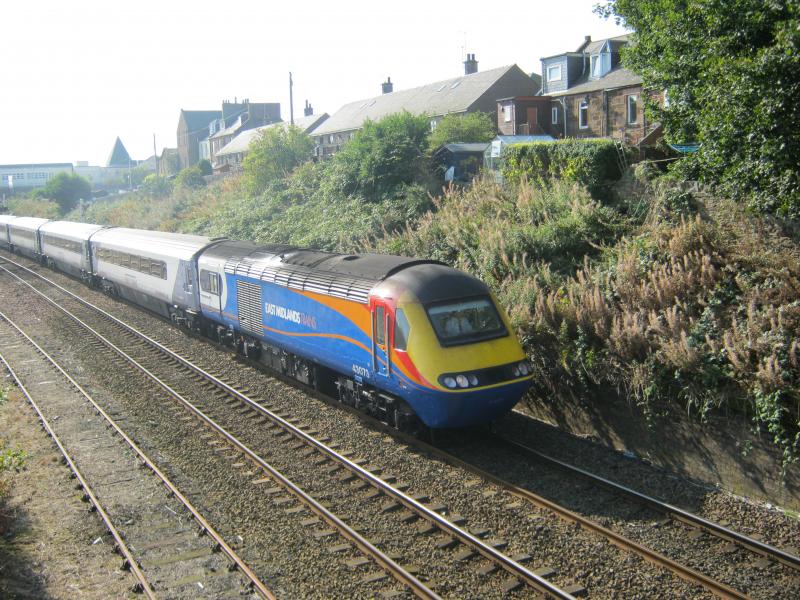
75	75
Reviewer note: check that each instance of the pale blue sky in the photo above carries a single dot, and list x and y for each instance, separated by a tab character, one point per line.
77	74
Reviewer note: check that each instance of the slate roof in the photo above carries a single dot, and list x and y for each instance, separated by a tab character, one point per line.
242	141
199	119
616	78
464	147
119	156
440	98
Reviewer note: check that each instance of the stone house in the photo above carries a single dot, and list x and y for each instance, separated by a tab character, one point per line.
474	91
593	95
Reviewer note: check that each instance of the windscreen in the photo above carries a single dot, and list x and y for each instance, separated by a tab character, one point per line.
466	321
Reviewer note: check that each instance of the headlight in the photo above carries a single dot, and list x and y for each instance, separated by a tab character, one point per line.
462	381
449	382
523	368
473	380
516	371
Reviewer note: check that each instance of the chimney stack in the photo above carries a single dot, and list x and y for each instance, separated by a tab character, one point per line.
308	111
470	65
387	87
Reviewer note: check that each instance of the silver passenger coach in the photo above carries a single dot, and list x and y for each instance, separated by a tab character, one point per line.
155	269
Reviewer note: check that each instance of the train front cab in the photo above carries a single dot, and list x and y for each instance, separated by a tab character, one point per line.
447	349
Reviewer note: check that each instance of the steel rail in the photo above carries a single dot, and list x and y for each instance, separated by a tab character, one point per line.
129	561
204	524
349	533
464	536
717	530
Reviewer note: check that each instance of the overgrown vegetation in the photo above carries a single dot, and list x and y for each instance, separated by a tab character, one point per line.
731	69
647	291
593	163
65	190
463	128
667	299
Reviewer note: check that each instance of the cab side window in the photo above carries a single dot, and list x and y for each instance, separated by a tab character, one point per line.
380	325
209	282
401	330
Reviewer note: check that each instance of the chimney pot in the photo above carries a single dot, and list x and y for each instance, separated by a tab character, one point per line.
470	65
387	87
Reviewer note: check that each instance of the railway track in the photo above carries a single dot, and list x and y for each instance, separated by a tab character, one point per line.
165	543
399	512
394	503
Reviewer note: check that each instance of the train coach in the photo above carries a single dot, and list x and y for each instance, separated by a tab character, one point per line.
4	221
154	269
65	246
23	236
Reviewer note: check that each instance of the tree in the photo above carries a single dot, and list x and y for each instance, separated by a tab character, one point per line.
384	156
191	178
274	154
156	186
731	70
66	189
470	127
205	167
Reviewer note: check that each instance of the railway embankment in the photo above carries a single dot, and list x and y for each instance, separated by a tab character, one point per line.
661	319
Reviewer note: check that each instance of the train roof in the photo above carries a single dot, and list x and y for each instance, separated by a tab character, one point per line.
350	276
29	223
7	218
70	229
173	245
432	283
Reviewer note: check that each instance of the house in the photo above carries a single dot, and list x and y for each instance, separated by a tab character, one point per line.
238	117
168	162
232	155
593	95
472	92
523	115
193	128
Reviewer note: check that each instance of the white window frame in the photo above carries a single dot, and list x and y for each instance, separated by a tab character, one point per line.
507	113
550	70
583	117
635	99
554	115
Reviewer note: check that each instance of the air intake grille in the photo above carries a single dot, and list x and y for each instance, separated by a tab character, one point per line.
248	296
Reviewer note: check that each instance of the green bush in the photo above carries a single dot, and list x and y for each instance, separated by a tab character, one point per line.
593	163
190	177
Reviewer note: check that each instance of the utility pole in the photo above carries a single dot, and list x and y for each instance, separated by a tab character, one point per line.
291	100
155	154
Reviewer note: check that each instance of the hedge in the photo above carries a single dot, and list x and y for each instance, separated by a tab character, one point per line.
591	162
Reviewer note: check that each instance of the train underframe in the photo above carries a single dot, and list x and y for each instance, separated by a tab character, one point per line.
389	409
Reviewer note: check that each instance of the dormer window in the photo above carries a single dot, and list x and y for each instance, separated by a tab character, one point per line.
600	64
554	73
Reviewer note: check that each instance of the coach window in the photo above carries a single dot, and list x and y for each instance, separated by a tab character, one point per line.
380	325
401	330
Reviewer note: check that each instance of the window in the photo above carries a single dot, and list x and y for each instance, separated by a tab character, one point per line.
595	65
466	321
401	330
507	113
554	115
583	115
434	124
59	242
554	73
142	264
380	326
633	110
209	282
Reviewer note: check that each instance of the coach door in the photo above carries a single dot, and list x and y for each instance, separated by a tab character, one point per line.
381	323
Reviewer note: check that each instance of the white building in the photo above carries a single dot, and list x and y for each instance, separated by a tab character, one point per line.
29	176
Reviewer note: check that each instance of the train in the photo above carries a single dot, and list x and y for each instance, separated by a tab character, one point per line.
411	341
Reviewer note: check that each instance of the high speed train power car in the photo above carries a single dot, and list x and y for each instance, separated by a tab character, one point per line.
405	339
